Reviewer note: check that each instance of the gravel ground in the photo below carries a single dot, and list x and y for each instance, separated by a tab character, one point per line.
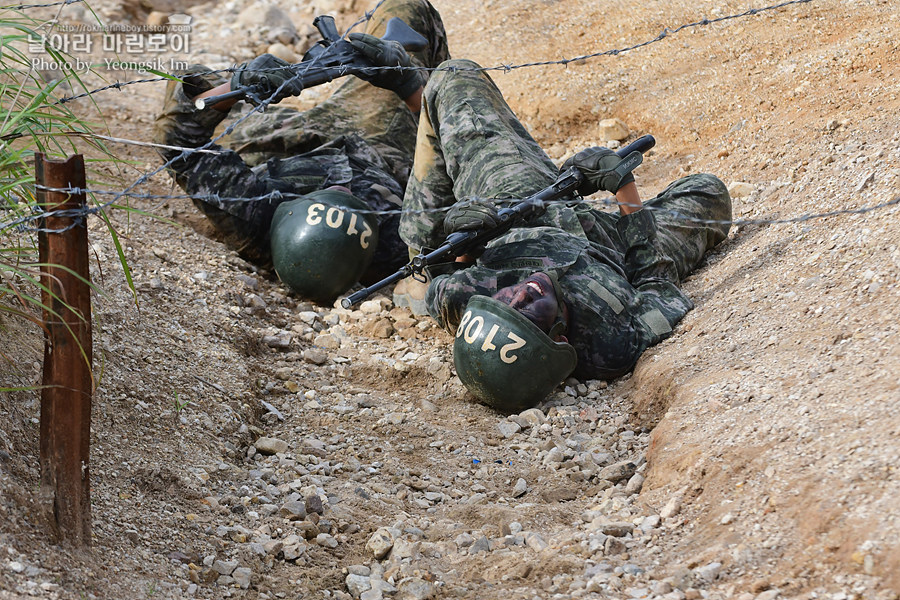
249	444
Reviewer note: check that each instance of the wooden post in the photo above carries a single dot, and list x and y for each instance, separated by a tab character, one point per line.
67	380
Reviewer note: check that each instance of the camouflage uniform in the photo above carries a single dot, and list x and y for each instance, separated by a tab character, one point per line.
618	274
362	138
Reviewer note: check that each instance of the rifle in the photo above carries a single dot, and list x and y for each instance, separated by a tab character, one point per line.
460	243
330	58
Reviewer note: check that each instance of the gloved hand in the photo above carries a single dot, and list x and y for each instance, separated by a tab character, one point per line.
387	53
267	73
469	215
603	169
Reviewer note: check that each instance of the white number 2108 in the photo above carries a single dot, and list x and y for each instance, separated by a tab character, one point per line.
470	330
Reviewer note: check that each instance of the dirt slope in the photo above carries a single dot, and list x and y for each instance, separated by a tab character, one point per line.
753	455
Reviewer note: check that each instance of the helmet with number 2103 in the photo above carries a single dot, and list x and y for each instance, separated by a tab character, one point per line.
504	359
320	245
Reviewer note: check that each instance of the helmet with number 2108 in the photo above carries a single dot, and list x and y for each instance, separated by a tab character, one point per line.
504	359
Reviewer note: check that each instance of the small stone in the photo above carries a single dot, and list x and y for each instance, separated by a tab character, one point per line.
381	543
618	472
225	567
534	416
661	587
293	510
535	541
326	540
614	546
650	523
15	566
508	428
555	455
707	574
316	356
283	52
260	15
279	340
865	181
307	529
740	189
314	504
482	544
600	457
634	484
310	317
373	594
612	129
768	595
672	507
379	328
617	529
269	445
520	489
357	584
328	341
415	588
560	494
293	551
157	18
242	577
371	307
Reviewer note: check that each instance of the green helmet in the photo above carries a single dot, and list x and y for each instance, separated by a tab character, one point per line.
320	246
504	359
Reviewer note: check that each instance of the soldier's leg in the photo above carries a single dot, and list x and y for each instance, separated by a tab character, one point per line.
469	144
682	210
356	107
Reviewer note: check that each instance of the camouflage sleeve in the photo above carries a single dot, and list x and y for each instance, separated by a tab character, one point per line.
221	172
448	295
660	304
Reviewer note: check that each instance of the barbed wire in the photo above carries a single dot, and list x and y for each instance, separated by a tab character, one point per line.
285	196
21	222
51	4
666	32
306	66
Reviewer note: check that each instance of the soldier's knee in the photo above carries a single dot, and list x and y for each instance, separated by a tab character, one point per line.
452	72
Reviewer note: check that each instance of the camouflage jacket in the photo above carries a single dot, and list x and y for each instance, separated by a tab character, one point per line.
622	290
222	179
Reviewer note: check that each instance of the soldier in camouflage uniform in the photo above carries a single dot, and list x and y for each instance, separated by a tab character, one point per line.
615	277
362	138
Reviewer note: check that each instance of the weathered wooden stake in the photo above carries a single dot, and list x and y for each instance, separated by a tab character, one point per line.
67	380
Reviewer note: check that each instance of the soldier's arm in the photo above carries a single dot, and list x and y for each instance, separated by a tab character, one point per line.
414	102
629	199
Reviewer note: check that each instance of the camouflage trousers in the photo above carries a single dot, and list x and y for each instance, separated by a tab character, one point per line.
470	144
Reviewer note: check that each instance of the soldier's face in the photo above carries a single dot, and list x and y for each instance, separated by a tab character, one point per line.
535	298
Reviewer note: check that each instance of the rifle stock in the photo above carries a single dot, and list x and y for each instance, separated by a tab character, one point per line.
460	243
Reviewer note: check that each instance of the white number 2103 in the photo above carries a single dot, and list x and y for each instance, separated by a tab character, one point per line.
470	330
334	218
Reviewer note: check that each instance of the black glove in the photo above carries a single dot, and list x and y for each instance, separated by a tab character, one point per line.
386	53
471	214
603	169
268	73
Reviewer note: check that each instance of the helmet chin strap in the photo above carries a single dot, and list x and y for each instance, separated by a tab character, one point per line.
561	322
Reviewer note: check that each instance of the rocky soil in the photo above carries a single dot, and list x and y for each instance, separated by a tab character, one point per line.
249	444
